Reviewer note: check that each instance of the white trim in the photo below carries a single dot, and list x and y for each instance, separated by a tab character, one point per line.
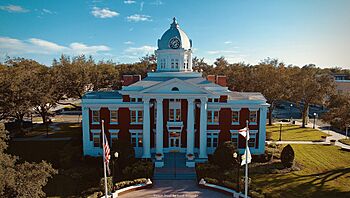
95	130
239	115
95	108
114	130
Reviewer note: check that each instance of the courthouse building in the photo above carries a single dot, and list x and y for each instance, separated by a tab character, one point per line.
173	109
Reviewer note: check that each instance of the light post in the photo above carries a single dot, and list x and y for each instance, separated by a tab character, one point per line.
346	132
116	155
235	155
290	112
315	115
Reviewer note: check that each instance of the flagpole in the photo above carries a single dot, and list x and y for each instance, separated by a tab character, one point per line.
246	163
104	160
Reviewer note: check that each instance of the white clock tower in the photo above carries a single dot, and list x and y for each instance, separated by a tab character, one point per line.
174	52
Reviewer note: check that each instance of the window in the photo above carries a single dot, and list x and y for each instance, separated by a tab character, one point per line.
175	115
114	137
96	139
212	139
234	137
252	139
172	63
95	116
213	117
136	116
175	89
235	117
114	116
132	99
177	63
136	139
216	99
253	117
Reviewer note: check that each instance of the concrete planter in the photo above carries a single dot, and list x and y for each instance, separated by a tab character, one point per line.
323	138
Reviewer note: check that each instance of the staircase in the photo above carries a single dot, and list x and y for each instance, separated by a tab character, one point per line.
174	168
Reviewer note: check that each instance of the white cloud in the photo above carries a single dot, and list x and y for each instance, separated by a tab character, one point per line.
129	1
81	48
13	46
141	6
139	51
128	43
228	42
47	11
13	8
138	18
157	2
103	13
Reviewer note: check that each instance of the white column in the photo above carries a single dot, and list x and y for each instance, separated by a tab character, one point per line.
203	130
159	126
146	129
262	130
86	131
190	126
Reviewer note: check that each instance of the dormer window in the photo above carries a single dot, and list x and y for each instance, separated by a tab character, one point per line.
175	89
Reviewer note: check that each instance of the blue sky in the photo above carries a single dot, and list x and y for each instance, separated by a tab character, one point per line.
297	32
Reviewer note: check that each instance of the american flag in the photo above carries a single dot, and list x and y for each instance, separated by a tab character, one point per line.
107	151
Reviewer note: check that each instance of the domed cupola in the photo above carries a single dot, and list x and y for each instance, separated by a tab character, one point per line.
174	38
174	50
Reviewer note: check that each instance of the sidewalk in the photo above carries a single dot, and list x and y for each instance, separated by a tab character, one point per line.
333	136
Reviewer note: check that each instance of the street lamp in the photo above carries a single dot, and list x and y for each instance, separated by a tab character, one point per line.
280	132
116	155
235	155
315	115
290	112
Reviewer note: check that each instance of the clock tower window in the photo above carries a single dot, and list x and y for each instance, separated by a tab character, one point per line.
172	63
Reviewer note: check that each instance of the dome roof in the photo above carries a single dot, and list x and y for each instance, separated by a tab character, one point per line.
174	31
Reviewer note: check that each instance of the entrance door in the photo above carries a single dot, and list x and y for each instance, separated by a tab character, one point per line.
174	140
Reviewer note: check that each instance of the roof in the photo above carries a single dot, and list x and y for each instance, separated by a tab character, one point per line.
102	95
234	95
174	31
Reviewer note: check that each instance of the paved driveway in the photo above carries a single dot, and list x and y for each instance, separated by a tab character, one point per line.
175	188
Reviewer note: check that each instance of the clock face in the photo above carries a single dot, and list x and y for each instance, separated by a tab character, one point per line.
174	43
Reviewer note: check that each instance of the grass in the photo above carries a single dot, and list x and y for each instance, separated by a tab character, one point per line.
325	173
293	132
345	141
57	130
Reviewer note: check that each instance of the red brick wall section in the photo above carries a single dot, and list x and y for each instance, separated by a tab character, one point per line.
124	120
165	118
130	79
221	80
211	78
224	125
184	108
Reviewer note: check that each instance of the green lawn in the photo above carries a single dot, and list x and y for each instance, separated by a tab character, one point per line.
325	173
57	130
345	141
293	132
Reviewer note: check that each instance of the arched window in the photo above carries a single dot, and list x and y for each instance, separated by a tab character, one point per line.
175	89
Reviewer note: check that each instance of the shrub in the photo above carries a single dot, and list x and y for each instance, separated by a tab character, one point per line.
287	156
268	135
69	155
109	184
211	180
223	155
126	153
141	169
124	184
207	170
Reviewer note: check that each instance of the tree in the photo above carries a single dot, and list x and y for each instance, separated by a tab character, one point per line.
339	110
104	75
273	88
21	179
17	87
309	85
223	155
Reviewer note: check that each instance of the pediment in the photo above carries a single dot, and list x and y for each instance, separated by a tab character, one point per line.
175	86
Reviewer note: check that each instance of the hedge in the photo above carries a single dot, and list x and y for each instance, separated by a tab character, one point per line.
127	183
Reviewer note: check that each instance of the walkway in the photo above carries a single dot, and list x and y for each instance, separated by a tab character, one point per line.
175	168
175	188
333	136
